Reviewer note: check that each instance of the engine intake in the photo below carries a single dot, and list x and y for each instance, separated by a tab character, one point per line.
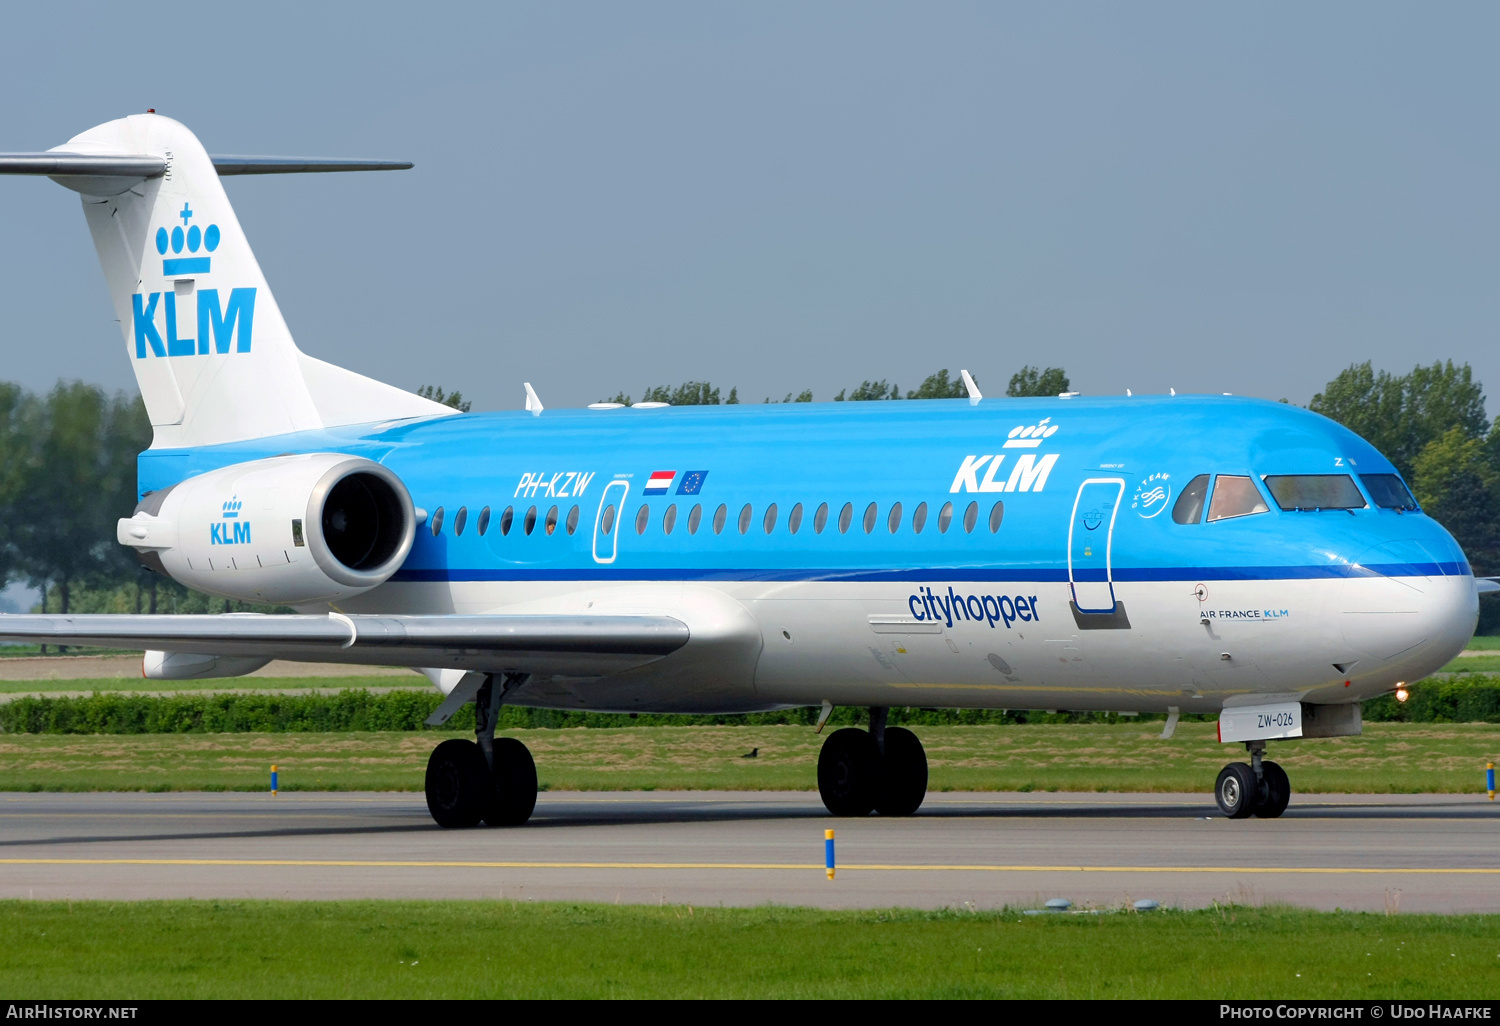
290	529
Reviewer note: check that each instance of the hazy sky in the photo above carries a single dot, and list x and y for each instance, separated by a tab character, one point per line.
1211	197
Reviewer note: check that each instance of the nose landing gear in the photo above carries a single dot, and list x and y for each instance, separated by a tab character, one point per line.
883	770
1257	788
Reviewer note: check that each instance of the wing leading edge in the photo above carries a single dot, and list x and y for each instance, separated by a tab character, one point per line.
582	646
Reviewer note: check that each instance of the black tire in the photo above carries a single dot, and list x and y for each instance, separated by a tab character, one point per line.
903	774
513	795
848	771
1276	791
1237	791
457	782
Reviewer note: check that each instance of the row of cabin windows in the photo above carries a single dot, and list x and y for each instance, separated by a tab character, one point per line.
769	519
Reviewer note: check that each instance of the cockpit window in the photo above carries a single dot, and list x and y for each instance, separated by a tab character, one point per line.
1315	491
1189	508
1388	491
1235	497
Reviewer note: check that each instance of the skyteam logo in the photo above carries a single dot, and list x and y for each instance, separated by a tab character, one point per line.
1028	474
158	319
230	530
1151	495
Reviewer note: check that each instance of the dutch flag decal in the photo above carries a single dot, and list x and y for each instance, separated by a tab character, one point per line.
660	481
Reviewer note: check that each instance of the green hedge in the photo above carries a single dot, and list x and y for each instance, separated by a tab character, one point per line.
1471	699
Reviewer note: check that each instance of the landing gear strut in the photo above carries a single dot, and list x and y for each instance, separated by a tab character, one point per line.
883	769
1257	788
491	779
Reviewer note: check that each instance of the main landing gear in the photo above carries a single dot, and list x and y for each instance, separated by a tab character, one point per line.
490	779
883	769
1257	788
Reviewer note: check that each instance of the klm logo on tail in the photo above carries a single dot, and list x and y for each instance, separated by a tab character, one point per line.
222	324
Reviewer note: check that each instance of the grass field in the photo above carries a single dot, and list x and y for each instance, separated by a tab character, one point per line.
1389	757
401	949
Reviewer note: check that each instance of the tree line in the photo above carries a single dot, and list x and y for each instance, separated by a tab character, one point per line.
67	470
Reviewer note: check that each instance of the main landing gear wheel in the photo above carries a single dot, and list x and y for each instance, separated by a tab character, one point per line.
512	796
847	769
883	769
1237	791
903	774
1276	791
458	784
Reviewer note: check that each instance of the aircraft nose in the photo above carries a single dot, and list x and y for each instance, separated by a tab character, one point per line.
1406	604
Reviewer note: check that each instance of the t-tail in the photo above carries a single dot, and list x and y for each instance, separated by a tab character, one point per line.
213	357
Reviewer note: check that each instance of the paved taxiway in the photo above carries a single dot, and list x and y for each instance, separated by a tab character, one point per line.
1436	853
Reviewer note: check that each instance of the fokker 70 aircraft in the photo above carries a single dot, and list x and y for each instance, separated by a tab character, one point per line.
1177	554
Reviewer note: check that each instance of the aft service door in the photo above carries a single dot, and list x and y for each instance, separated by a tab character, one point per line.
1091	533
607	521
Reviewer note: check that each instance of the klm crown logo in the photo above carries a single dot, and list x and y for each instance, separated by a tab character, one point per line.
192	238
219	324
1024	437
236	533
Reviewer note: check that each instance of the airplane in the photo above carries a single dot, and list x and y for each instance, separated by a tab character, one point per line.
1173	554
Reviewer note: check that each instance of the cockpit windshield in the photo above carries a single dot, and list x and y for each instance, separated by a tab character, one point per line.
1315	491
1389	491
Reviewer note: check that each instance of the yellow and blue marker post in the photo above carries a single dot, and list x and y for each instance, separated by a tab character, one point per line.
1489	779
273	778
828	851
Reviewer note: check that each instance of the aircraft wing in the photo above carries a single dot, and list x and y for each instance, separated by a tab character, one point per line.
558	645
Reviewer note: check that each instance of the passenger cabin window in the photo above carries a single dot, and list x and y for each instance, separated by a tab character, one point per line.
460	519
919	518
530	523
794	518
642	518
669	519
552	520
437	521
1189	507
695	518
484	521
945	517
846	517
893	519
871	513
606	522
770	522
1235	497
997	514
745	514
971	517
1315	491
1389	491
820	518
720	516
506	519
572	519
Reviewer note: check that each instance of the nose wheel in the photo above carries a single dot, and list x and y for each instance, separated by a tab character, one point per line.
883	769
1257	788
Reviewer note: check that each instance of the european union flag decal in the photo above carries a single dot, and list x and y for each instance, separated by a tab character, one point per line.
692	482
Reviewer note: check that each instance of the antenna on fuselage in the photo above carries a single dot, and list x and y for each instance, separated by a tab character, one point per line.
533	404
972	387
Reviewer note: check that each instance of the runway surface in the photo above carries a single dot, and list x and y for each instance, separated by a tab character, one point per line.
1415	853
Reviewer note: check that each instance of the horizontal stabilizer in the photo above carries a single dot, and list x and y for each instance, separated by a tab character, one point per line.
564	645
134	165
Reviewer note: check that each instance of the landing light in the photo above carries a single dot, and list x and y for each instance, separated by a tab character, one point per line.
1401	693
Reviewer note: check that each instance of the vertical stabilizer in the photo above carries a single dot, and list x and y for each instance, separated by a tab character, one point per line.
212	355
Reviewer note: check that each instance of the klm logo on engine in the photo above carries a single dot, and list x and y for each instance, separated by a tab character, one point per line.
231	530
161	328
1027	474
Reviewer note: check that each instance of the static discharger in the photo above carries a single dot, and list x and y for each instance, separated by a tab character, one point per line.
273	778
828	840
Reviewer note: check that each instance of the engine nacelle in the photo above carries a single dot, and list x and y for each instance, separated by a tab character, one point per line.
286	530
